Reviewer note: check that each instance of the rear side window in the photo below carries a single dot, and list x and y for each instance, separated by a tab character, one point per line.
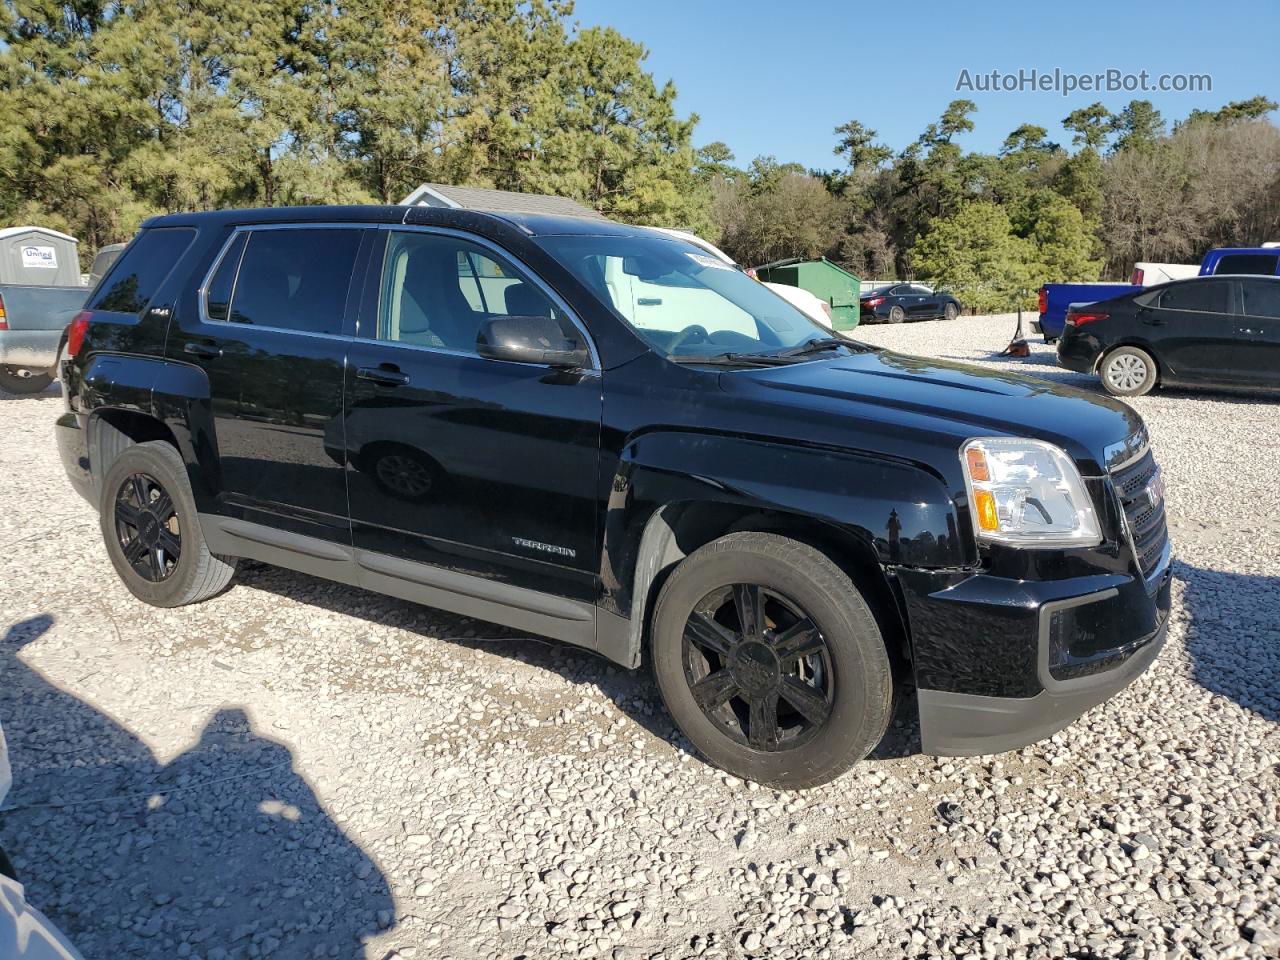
1263	263
137	275
1261	299
292	279
1198	296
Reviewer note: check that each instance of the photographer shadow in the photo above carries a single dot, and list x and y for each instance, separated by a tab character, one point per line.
225	849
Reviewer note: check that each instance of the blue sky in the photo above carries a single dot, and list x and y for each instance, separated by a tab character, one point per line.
776	78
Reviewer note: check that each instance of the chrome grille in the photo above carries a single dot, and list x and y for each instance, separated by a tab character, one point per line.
1143	516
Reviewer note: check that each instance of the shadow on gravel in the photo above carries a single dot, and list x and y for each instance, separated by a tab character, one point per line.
225	849
633	692
1233	635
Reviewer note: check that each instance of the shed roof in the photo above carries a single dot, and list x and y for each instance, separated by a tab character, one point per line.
13	231
498	201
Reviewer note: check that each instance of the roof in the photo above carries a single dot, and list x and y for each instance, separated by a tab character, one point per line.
498	201
528	224
795	261
13	231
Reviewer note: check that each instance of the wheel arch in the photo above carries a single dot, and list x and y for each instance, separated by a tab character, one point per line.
1137	344
677	529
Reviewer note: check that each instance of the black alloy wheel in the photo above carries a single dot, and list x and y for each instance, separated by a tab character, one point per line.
758	667
147	527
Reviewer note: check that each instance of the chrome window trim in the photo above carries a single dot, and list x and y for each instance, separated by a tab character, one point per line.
202	292
505	254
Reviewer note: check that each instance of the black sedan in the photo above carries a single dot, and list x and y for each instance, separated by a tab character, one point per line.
1208	331
895	302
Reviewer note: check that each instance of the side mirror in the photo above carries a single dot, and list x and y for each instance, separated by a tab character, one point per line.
530	340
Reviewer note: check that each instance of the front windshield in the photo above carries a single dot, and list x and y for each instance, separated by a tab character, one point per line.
682	300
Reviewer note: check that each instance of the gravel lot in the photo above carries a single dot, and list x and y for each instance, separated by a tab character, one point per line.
299	769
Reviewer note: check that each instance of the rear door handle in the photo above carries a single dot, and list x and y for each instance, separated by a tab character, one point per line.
383	376
206	350
1251	331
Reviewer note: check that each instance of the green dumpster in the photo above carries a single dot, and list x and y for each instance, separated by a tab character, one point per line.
824	280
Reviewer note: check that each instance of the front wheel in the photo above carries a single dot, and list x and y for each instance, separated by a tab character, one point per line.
949	312
770	661
24	380
1128	372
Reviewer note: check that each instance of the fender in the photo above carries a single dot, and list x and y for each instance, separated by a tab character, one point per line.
901	512
175	395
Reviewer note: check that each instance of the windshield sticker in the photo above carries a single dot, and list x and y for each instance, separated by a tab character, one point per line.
41	257
705	260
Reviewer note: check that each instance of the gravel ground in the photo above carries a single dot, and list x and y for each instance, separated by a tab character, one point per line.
299	769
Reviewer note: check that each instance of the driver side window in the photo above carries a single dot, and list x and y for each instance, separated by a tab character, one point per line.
438	290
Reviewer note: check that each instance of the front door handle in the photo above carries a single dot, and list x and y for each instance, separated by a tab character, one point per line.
206	350
1251	331
383	376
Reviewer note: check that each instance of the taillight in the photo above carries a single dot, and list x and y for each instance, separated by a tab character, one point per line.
76	331
873	302
1080	319
1044	300
1137	277
4	324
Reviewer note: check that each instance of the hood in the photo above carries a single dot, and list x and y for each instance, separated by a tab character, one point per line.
954	400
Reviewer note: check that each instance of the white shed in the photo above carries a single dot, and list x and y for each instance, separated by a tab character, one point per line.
38	256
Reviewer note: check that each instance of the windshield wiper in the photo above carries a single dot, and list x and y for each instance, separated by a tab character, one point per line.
815	346
738	359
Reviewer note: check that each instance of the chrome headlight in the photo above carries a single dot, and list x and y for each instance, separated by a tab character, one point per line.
1027	493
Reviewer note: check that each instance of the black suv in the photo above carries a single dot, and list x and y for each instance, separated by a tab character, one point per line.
601	434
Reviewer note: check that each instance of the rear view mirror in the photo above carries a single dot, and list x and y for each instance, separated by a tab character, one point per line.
530	340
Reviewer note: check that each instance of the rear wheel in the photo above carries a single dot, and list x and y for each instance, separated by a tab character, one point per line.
152	531
770	661
897	315
1128	372
24	379
949	312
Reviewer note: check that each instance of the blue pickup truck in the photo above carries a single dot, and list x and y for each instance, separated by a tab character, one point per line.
1055	298
1264	260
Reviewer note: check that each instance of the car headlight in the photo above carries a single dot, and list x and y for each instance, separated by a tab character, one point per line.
1027	493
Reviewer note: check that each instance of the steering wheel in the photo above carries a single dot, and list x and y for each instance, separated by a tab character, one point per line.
687	335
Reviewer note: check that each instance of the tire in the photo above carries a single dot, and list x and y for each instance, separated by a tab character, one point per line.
1128	372
161	555
950	312
832	696
896	315
24	380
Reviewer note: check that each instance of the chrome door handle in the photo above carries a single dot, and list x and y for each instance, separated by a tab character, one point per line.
1252	332
206	350
383	376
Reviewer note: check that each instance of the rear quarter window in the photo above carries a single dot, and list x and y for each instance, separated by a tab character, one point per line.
1201	297
143	266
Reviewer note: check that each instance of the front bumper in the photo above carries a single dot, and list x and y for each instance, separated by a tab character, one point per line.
1004	663
30	349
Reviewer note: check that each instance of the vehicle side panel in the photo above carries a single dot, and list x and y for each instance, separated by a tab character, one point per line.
899	513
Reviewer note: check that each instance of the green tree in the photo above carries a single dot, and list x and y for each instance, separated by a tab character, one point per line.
1138	126
857	145
975	253
1255	108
